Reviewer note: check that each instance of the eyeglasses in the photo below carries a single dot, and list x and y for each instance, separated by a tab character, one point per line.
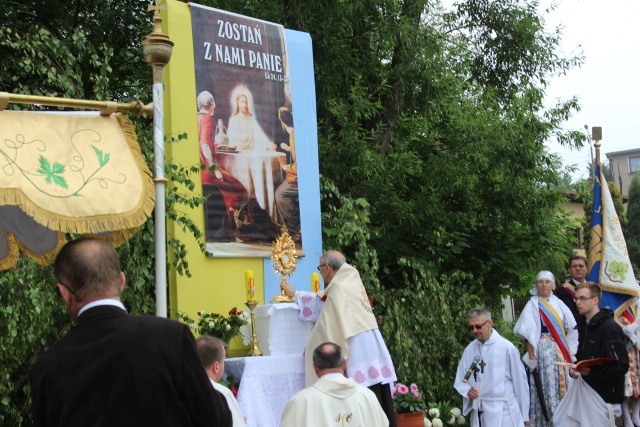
582	299
477	327
320	266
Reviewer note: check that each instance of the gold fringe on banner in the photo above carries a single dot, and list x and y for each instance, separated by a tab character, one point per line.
81	174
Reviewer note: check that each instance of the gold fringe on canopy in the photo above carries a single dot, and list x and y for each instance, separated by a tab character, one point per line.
73	173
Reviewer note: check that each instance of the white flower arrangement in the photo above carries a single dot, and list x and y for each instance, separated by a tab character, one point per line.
441	413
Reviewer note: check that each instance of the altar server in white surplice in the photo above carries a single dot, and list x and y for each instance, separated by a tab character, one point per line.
212	354
333	399
497	391
344	316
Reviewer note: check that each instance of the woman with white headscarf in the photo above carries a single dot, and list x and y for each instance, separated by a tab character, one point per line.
547	326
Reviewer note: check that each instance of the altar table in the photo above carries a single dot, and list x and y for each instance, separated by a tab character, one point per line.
279	329
266	385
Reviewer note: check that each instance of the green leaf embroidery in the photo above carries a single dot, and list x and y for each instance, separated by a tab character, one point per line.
53	172
103	158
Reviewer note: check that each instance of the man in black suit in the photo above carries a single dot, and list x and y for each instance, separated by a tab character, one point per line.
115	369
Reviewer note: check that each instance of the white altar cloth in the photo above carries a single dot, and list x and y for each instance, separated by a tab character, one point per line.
278	329
266	385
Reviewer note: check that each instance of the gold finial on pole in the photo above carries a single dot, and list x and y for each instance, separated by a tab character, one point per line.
596	135
157	47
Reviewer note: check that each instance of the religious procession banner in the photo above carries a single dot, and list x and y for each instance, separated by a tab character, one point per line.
234	91
68	173
246	138
608	256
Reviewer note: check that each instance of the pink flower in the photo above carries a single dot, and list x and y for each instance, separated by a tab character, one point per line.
402	389
386	372
359	377
414	390
306	312
373	372
305	299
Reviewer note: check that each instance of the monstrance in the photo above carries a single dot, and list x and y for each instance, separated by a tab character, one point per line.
283	259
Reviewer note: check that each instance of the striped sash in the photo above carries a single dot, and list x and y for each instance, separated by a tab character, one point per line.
570	288
553	322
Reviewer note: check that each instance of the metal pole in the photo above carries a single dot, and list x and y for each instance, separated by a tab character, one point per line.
157	51
106	107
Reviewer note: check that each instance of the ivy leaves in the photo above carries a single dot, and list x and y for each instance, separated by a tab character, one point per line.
53	172
103	158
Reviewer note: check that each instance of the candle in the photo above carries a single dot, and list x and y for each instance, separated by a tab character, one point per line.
250	285
315	282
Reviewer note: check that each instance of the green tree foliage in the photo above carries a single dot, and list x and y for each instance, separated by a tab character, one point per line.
436	183
632	233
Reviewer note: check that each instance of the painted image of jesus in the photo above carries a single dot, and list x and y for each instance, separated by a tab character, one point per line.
245	133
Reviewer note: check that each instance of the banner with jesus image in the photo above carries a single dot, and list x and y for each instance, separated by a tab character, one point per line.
245	132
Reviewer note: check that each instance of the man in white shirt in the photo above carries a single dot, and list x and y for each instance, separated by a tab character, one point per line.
212	355
333	398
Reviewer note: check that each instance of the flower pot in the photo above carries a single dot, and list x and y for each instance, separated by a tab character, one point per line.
411	419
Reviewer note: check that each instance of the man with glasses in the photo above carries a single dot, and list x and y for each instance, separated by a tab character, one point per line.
343	315
115	369
491	377
602	337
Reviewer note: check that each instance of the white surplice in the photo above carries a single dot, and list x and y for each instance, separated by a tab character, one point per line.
236	412
334	400
504	395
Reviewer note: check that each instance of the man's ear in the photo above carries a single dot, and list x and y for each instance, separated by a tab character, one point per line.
123	281
65	293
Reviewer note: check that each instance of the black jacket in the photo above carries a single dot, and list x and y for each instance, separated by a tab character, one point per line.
603	337
115	369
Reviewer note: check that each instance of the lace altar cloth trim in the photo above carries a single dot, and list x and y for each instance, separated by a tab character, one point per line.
278	329
266	385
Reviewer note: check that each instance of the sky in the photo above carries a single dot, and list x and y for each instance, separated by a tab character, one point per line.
607	83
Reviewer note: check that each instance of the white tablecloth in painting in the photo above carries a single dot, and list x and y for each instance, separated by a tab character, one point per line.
266	385
278	329
259	171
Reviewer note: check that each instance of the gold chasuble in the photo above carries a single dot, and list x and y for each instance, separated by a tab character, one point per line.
346	313
68	173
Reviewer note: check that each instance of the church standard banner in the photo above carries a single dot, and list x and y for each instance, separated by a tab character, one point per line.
246	135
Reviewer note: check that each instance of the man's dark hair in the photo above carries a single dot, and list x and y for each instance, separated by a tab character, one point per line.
594	289
88	267
210	349
285	116
581	258
328	356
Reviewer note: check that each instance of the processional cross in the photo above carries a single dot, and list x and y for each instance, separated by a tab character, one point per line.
157	7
